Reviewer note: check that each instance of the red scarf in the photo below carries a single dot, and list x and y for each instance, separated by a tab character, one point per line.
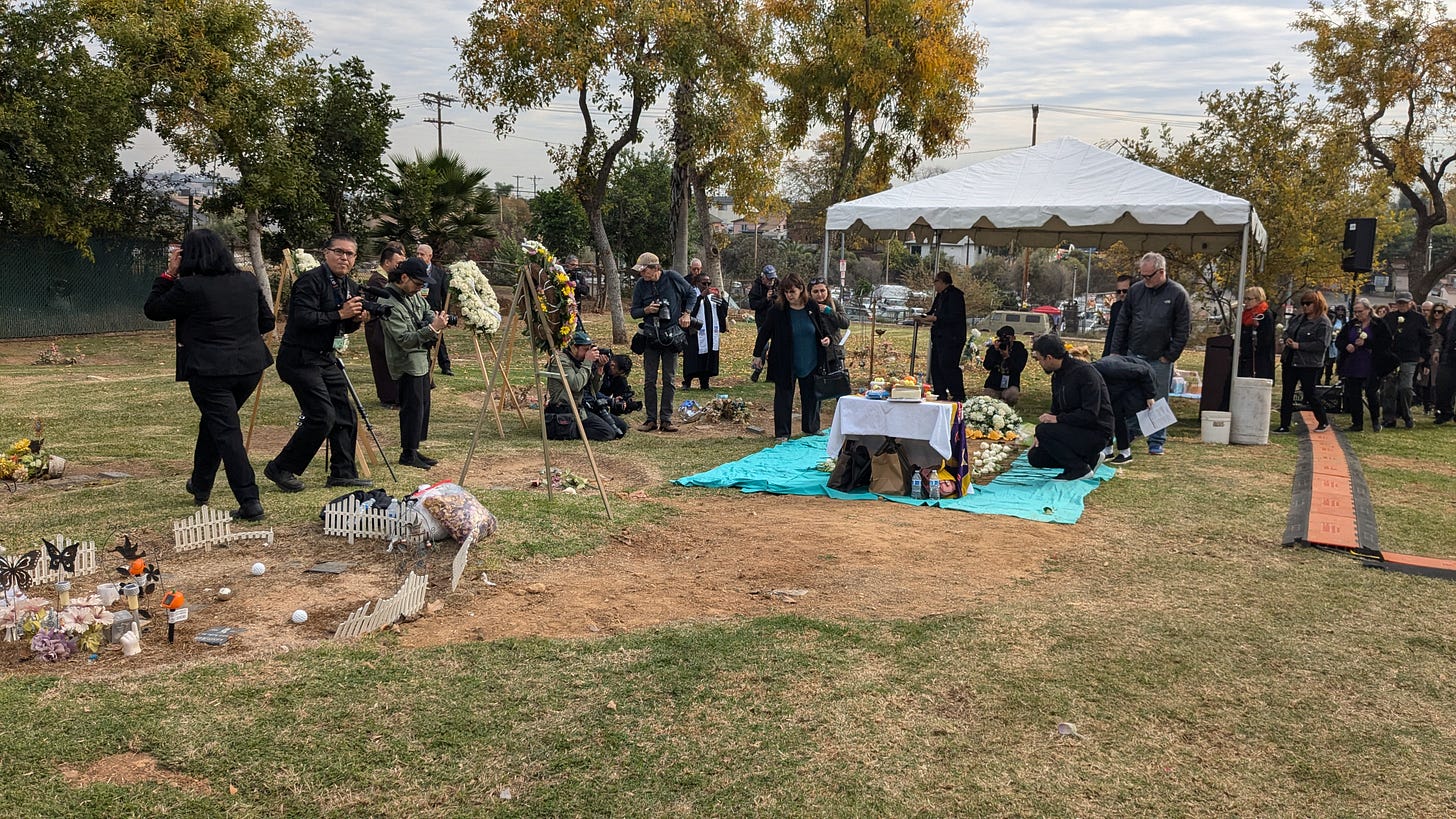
1251	316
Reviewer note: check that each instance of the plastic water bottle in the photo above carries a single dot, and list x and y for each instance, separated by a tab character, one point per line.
915	484
934	489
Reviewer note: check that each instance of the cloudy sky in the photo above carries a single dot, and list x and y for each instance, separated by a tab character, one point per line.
1099	70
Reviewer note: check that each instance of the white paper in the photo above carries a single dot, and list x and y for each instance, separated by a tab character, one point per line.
1158	416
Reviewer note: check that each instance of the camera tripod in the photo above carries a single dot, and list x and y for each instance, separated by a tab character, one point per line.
364	416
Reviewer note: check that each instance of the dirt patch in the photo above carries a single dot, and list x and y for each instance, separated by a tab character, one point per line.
128	769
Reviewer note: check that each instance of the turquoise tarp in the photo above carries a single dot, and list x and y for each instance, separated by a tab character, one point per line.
1023	491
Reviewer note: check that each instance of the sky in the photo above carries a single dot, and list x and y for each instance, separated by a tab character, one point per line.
1098	71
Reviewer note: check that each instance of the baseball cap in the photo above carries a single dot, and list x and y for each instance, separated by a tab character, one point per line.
646	260
768	270
580	338
1403	295
1006	331
415	268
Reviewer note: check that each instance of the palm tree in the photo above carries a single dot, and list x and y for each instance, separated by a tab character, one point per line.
437	200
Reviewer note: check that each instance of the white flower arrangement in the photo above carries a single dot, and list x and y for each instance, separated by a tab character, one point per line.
988	458
303	261
479	309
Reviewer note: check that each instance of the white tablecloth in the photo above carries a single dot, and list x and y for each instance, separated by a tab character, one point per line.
926	421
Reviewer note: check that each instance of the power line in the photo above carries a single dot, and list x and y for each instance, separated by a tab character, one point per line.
441	102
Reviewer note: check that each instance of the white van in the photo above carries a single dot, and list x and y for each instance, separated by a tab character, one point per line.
1024	323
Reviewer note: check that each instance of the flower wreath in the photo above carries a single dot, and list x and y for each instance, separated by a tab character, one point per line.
479	309
555	295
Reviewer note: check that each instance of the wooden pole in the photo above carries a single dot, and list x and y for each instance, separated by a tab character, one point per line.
285	272
508	391
489	395
480	420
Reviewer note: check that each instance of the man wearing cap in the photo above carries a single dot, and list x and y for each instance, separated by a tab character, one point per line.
583	365
1412	342
410	329
710	316
660	296
1120	289
1005	359
761	296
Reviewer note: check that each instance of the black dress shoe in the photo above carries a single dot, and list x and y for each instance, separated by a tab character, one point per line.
447	372
198	498
426	458
1282	430
412	458
336	481
287	481
250	512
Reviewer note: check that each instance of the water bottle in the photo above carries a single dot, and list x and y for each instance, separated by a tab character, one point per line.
915	483
934	489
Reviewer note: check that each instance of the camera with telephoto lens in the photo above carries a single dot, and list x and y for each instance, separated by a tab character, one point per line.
377	308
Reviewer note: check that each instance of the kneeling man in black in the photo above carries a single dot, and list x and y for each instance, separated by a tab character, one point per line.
1071	436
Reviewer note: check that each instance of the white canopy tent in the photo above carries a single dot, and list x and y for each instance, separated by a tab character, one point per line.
1060	191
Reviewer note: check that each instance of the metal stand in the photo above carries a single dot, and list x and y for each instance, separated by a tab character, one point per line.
364	416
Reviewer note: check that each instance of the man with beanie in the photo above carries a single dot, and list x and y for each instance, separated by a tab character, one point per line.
410	329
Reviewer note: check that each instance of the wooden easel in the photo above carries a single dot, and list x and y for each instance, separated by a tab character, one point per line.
525	293
285	272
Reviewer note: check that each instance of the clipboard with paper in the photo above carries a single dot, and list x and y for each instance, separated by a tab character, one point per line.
1158	416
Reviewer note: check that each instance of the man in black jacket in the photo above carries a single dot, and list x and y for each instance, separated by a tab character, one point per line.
1071	436
1005	359
1130	387
1412	340
947	320
1153	325
323	305
439	285
1120	289
1445	364
761	295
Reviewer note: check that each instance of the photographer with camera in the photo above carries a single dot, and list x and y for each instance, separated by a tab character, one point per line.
584	366
615	390
323	306
660	299
1005	359
411	328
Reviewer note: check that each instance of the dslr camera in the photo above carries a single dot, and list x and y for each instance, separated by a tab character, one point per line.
374	306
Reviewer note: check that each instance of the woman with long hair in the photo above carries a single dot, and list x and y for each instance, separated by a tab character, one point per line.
1306	343
221	316
1256	336
797	340
1365	358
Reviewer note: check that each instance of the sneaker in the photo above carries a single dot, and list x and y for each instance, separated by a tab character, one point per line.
648	427
447	372
666	426
1376	426
198	498
1410	424
250	512
1108	453
355	481
1071	475
1282	431
1121	458
412	458
782	439
287	481
1322	428
1155	449
1442	419
1355	428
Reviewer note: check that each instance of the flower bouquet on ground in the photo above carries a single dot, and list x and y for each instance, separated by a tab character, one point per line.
479	310
26	461
993	435
555	296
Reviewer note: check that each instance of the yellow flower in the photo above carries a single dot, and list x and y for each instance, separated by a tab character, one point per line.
975	434
994	435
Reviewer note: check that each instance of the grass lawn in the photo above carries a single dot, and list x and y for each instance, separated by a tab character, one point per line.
1209	671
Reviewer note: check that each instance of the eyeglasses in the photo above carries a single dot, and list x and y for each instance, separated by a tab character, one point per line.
348	254
1150	275
817	281
1121	292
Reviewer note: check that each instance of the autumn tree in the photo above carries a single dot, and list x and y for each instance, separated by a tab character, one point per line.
1386	67
893	80
220	80
1300	170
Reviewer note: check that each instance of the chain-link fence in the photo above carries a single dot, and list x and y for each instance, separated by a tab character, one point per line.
51	289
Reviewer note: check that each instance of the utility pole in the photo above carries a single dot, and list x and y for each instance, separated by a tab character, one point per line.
516	191
1035	111
441	102
534	180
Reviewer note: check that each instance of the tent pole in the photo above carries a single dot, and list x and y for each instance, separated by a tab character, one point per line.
825	266
1238	323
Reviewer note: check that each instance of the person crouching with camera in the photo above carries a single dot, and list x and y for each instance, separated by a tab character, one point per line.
583	365
411	328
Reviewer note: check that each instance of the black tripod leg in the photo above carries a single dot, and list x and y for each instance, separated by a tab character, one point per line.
364	416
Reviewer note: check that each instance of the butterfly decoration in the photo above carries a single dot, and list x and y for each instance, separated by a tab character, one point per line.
15	571
61	558
127	550
149	579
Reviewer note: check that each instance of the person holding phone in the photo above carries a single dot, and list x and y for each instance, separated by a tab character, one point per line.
221	316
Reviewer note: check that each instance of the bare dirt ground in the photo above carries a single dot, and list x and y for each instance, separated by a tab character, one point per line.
725	557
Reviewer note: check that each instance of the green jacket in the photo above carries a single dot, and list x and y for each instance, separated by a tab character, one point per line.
406	332
580	376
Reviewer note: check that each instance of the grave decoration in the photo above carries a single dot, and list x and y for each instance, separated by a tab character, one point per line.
370	617
479	309
371	517
994	435
555	295
27	460
209	527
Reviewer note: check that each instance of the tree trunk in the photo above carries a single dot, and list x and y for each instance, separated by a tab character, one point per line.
611	276
681	185
712	256
255	252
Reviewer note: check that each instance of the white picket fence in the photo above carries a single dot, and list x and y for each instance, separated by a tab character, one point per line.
211	527
406	602
86	562
457	567
347	519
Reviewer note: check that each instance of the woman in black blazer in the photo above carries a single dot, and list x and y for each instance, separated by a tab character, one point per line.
221	316
797	339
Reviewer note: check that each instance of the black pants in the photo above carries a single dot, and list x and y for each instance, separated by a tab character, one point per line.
443	355
1305	378
323	397
784	406
219	435
945	369
1360	393
414	411
1445	388
1120	432
1065	447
